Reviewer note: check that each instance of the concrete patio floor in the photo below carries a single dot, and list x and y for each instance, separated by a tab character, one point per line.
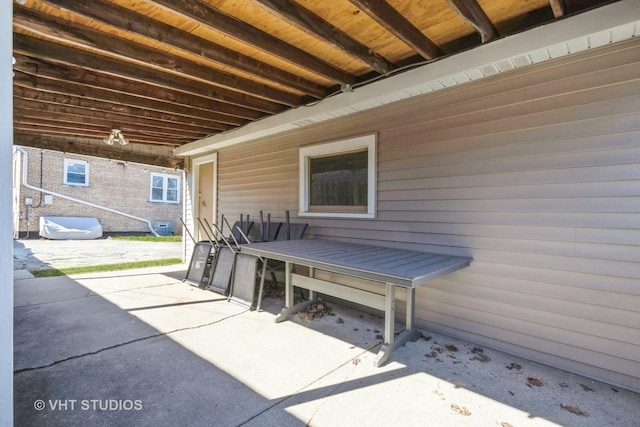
140	347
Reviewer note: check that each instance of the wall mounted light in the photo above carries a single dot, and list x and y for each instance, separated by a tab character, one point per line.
115	136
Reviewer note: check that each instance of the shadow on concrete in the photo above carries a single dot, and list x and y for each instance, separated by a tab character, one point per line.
83	358
90	362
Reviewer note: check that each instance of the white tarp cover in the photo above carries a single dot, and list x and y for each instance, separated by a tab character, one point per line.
70	228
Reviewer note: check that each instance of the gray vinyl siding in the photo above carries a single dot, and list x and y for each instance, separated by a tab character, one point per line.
534	173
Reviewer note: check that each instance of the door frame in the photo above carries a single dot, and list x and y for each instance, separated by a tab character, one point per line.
195	184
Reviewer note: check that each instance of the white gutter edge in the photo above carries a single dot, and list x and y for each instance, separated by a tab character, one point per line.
25	166
605	25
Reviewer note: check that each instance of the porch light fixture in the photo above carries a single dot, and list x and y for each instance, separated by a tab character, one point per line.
116	136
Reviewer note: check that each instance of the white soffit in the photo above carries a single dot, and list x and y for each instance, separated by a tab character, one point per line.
608	24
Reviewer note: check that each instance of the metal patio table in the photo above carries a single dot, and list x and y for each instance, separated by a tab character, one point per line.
392	267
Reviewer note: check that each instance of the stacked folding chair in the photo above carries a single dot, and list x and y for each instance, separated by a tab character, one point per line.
218	265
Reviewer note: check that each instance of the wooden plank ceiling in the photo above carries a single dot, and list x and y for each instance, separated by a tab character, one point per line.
168	72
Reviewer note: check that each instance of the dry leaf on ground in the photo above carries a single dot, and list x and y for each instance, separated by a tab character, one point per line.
534	381
461	411
574	410
314	311
585	387
479	355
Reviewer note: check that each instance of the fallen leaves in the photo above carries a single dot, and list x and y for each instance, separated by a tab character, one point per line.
515	366
314	311
534	381
574	410
435	351
479	355
585	387
460	411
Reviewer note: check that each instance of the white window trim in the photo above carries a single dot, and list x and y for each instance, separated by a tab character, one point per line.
338	147
164	188
67	162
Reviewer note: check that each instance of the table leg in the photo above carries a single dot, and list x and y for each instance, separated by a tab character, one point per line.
312	294
288	287
411	308
391	342
264	272
389	326
288	295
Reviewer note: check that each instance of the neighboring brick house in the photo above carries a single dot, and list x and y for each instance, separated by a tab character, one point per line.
144	191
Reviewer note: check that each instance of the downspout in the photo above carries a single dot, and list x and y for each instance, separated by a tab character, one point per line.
25	164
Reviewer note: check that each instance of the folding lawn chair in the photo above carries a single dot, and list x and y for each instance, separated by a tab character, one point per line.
289	231
265	232
243	283
202	259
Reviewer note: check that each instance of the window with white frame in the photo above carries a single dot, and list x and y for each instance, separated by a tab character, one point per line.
165	188
338	179
76	172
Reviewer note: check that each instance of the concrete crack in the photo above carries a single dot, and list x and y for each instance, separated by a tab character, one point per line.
91	353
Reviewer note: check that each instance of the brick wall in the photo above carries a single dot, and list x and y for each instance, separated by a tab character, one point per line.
114	184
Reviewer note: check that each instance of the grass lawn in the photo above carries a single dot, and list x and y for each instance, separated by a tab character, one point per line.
50	272
150	238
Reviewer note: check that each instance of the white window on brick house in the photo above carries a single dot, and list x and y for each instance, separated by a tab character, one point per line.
76	172
338	179
165	188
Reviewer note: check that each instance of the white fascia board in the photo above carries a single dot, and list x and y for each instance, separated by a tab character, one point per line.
607	24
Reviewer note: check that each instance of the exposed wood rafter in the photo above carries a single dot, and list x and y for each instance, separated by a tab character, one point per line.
559	7
171	72
312	24
213	18
399	26
471	12
117	16
49	143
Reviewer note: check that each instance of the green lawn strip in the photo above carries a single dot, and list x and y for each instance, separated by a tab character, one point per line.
149	238
50	272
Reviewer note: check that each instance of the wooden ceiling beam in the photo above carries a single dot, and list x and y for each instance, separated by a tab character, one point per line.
213	18
29	113
45	109
388	17
563	8
94	93
471	12
92	133
130	21
144	56
136	113
312	24
125	154
82	76
101	130
69	57
559	8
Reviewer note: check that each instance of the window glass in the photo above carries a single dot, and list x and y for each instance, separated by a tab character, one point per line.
338	179
165	188
76	172
172	189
